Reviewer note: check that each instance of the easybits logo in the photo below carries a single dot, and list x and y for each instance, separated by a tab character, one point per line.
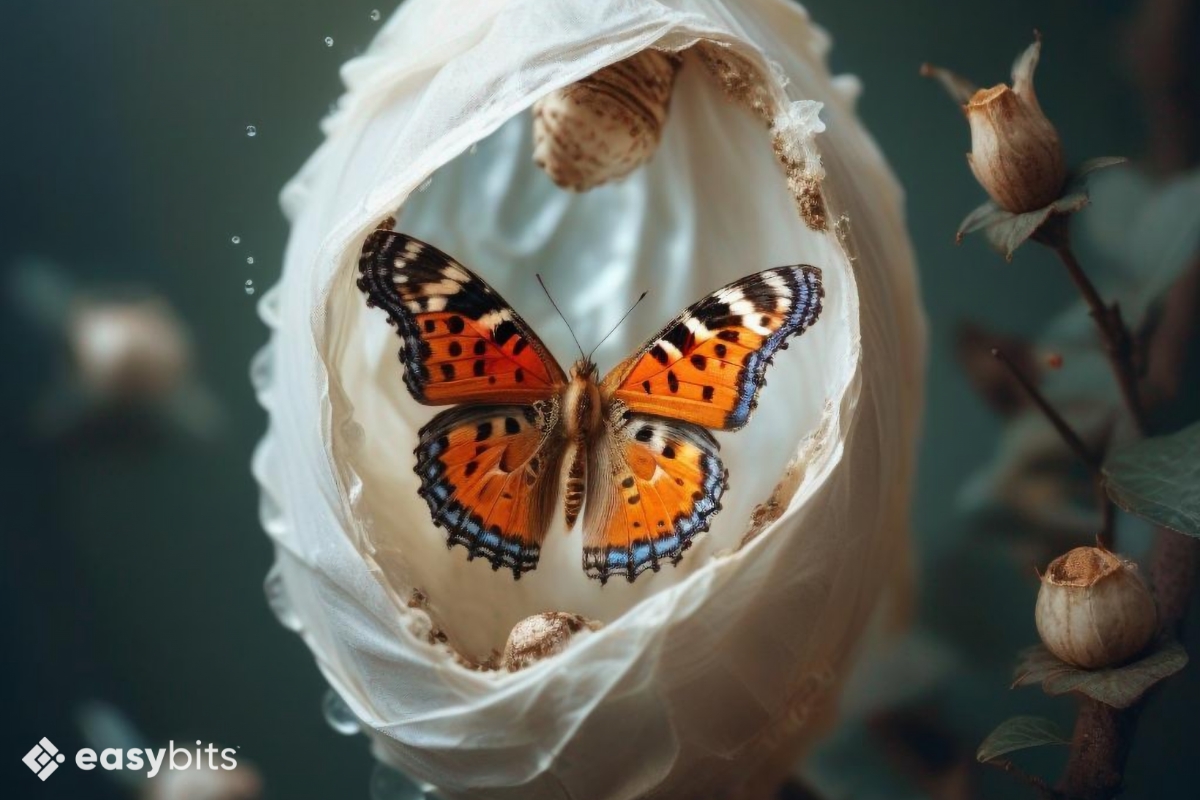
45	758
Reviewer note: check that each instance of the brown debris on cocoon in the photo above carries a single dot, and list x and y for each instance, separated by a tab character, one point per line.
541	636
607	125
1094	610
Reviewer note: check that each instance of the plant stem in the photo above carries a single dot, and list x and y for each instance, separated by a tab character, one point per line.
1040	786
1099	748
1118	343
1073	440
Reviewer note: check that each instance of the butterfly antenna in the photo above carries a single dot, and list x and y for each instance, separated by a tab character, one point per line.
561	315
614	328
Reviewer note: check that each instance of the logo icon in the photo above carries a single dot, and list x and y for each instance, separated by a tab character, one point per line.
44	758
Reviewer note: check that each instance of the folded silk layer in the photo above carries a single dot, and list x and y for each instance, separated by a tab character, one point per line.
703	680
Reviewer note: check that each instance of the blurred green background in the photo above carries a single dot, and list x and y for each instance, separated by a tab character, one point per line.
132	569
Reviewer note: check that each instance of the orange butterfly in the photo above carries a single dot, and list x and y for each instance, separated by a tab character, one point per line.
639	461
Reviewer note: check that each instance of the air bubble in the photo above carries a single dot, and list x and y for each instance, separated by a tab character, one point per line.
235	239
249	287
251	131
338	714
375	15
329	41
474	149
250	260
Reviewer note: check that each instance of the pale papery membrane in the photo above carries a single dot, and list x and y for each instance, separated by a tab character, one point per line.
704	679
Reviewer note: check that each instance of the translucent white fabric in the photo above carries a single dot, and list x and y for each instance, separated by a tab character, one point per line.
705	678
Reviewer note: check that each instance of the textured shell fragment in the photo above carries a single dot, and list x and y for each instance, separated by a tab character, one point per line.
541	636
607	125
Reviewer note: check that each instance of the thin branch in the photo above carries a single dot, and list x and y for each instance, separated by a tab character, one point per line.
1106	538
1040	786
1068	434
1118	342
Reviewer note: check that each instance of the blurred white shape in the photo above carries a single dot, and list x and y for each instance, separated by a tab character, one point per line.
243	783
127	350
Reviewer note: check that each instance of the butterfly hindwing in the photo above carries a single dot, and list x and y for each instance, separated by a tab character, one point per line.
462	342
653	485
707	365
490	475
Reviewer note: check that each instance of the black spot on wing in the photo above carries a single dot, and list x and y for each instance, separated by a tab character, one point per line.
387	254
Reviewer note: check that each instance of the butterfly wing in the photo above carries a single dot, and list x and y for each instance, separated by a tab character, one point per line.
462	342
490	475
708	364
653	485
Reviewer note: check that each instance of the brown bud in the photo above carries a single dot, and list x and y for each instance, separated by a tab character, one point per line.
1015	153
608	124
542	636
1094	610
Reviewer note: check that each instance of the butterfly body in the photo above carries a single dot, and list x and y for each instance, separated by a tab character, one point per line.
639	464
583	409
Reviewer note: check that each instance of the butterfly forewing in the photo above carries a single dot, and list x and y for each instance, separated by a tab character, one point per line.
462	342
653	485
490	475
707	366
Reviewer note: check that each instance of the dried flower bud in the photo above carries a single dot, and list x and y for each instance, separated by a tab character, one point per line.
542	636
608	124
1015	151
1094	610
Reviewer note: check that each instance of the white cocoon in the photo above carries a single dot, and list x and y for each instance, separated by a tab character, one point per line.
702	680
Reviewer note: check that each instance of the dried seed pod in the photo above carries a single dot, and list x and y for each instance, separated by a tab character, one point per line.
542	636
608	124
1094	610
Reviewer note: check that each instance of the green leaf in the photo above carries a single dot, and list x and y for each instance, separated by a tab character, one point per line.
1006	231
1018	733
987	214
1119	687
1159	479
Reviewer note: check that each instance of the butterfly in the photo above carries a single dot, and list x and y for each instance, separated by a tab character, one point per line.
635	445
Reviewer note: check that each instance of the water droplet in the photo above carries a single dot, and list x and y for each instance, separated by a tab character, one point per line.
251	131
277	596
235	239
338	714
249	287
425	185
388	784
329	41
375	15
250	260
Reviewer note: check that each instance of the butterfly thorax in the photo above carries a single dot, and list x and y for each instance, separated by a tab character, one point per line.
581	402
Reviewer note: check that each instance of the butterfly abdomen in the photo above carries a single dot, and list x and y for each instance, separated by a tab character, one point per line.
581	404
576	485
